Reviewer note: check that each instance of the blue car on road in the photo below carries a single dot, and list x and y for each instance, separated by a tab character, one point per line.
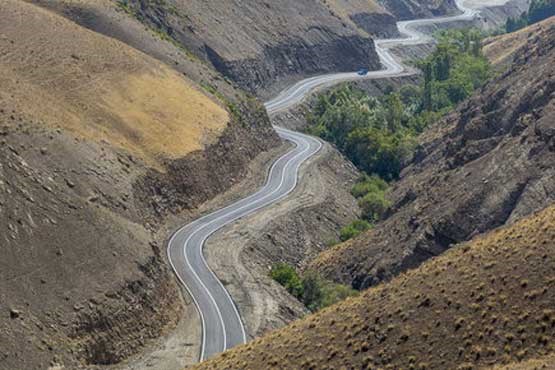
362	72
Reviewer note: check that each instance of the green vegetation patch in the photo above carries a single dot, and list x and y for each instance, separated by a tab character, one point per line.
354	229
378	134
313	291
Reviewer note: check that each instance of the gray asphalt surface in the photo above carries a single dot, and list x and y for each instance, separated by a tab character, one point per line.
222	327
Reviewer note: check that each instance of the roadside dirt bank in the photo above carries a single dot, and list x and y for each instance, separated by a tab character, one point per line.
291	231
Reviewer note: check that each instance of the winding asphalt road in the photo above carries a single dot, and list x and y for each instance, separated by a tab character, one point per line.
392	68
222	327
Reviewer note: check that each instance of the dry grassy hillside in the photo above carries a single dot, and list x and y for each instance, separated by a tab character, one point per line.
541	363
222	162
61	75
489	301
501	50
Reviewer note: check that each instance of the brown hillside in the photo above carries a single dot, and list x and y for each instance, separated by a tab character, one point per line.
541	363
484	302
222	162
291	38
489	163
501	50
83	118
61	75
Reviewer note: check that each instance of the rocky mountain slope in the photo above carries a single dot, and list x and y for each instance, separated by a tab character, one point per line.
221	162
488	164
261	44
501	50
255	43
408	9
489	301
97	141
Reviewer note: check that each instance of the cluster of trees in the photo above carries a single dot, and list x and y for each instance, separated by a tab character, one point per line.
379	134
315	292
455	69
363	128
538	11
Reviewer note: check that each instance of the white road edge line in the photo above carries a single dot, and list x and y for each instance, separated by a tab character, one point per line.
393	68
287	164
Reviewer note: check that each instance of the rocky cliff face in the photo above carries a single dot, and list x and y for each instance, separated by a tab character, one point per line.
488	164
407	9
258	43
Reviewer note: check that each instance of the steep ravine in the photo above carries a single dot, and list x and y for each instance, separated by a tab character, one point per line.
488	164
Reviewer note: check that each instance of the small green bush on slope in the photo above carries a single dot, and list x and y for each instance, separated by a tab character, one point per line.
354	229
315	292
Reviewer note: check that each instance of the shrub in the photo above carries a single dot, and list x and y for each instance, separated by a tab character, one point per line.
369	184
374	206
319	293
311	289
288	278
354	229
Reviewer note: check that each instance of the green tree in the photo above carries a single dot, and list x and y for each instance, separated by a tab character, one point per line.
540	10
394	111
537	12
428	82
313	294
374	206
288	278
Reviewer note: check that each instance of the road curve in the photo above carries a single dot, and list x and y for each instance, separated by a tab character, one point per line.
391	67
222	327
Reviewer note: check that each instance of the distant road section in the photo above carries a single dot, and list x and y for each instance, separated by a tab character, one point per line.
222	327
392	68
